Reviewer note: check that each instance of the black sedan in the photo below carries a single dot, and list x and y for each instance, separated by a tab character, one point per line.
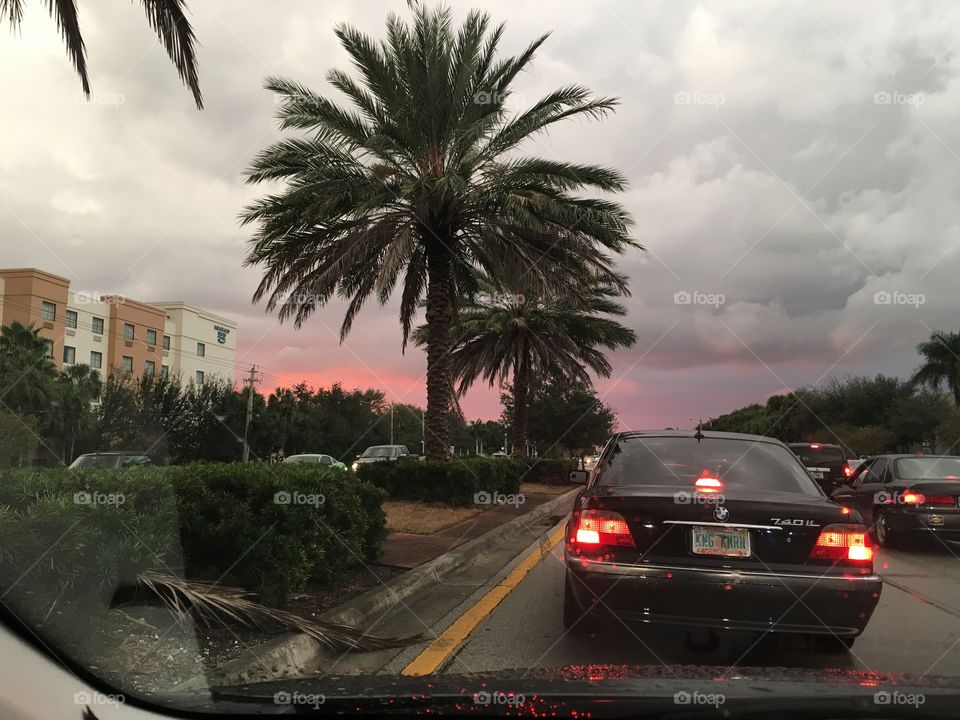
714	530
906	496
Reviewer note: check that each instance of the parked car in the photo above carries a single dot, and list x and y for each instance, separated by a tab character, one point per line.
117	459
383	453
314	458
714	530
826	463
904	496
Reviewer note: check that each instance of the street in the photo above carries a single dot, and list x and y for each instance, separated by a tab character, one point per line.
915	629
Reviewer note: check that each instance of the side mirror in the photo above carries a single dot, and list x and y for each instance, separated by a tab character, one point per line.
579	477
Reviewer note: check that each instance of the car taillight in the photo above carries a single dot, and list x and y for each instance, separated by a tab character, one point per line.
708	484
840	543
847	470
602	527
912	497
814	446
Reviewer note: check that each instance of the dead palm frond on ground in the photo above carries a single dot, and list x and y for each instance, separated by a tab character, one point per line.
208	604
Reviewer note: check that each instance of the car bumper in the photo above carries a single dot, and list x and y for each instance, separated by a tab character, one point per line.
930	522
726	599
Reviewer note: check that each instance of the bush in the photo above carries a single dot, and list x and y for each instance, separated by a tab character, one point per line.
454	482
547	471
269	529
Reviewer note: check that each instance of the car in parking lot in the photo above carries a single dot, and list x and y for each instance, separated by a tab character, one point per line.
906	496
111	459
383	453
314	458
826	463
715	530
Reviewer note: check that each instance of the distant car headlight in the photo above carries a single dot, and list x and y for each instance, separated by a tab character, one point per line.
355	466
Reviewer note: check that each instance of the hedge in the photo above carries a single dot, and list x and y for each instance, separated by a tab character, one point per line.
454	482
547	471
268	529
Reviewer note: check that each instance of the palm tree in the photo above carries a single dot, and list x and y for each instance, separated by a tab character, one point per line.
78	386
941	364
499	335
27	373
166	17
420	183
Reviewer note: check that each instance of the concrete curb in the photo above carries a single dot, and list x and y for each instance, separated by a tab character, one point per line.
291	655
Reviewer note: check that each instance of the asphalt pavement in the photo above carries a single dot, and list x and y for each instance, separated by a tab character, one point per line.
915	628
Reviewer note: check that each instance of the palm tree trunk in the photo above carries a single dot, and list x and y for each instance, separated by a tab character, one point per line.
439	313
521	388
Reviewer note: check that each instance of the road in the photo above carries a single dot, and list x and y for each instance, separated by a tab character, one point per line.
915	629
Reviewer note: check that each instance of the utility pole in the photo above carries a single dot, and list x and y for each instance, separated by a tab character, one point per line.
423	434
251	381
391	423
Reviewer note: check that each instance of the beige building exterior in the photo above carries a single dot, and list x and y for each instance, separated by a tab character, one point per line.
111	331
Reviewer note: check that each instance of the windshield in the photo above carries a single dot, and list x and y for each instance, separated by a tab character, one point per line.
682	461
928	468
364	347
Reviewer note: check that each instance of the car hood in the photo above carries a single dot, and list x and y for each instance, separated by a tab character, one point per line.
615	690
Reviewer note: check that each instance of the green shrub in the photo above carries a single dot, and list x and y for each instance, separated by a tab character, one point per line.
454	482
229	523
547	471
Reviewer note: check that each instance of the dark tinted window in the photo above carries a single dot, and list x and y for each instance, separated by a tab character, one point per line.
679	461
928	468
810	456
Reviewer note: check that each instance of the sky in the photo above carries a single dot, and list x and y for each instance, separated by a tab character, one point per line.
794	174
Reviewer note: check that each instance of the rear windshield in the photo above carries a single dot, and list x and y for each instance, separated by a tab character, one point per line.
928	468
379	451
298	459
679	461
811	456
97	461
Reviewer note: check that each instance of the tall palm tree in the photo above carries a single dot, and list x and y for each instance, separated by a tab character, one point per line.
27	374
941	363
420	183
523	333
167	18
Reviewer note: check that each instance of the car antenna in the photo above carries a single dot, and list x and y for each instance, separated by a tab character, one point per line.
699	434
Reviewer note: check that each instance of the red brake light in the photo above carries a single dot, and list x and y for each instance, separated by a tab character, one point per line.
602	527
913	497
847	470
814	446
839	542
708	484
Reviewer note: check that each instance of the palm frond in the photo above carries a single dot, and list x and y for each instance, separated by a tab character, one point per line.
169	21
68	23
209	604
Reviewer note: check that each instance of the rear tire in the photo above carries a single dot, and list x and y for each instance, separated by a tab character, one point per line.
885	536
575	620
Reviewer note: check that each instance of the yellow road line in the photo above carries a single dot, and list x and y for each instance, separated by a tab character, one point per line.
450	640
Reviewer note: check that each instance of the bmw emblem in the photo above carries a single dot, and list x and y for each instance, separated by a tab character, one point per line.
721	513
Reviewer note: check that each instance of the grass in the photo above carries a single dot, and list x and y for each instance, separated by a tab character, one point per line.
420	518
529	488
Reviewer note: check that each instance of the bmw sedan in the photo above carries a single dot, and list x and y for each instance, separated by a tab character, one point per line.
715	530
906	496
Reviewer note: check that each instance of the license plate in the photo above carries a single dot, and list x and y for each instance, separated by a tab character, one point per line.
818	473
727	542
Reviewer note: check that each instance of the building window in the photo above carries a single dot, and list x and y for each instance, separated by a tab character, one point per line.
72	319
166	342
69	355
48	348
96	359
98	326
127	331
149	367
199	377
48	311
127	363
164	371
201	350
151	337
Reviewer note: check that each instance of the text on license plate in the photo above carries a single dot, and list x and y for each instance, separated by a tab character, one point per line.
818	473
729	542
